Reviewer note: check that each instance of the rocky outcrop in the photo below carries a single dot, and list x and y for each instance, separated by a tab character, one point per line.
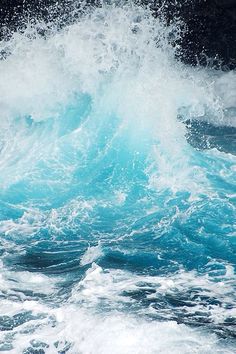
209	35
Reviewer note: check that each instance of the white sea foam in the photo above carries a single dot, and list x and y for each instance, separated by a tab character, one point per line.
81	327
116	333
114	286
91	255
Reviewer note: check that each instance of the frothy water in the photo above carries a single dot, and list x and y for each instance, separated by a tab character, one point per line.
117	214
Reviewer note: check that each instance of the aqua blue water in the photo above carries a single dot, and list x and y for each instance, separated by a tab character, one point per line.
117	199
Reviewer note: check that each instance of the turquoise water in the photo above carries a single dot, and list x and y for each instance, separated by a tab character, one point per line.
117	199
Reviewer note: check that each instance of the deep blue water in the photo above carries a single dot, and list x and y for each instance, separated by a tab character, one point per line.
117	199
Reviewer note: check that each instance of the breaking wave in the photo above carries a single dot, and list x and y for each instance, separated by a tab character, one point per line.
117	191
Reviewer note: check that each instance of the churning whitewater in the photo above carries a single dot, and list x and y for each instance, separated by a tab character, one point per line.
117	191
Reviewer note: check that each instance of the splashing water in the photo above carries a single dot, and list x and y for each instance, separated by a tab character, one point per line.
117	196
